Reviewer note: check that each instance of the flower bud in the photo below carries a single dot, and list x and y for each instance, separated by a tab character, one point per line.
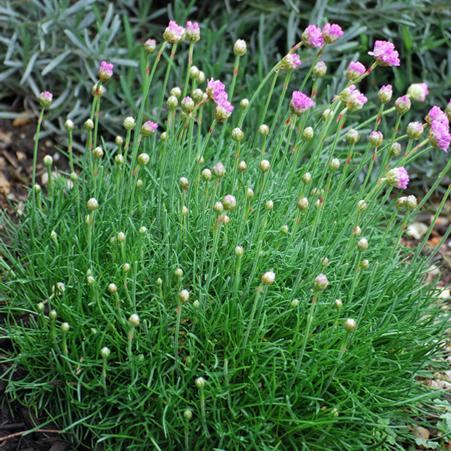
121	237
327	113
184	183
60	287
53	315
265	165
98	90
172	102
239	251
308	133
244	103
206	174
105	352
176	92
375	138
37	188
183	295
350	325
218	207
40	307
263	130
356	231
185	210
112	288
133	320
395	149
201	77
269	205
249	193
240	47
178	273
334	165
45	99
119	159
415	130
242	166
90	280
48	161
362	205
319	69
129	123
362	244
418	91
385	94
200	382
402	104
65	327
409	202
321	282
188	414
268	278
89	124
92	204
284	229
194	72
325	262
237	134
98	152
126	267
229	202
68	125
364	264
219	169
142	230
223	219
159	281
338	303
150	45
164	136
307	178
352	136
303	203
187	104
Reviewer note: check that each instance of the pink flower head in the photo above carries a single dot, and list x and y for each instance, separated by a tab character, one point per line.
437	115
105	70
149	128
439	135
215	89
192	31
331	32
173	32
398	177
300	102
355	70
418	91
385	93
291	61
375	138
353	98
313	37
385	54
45	99
403	104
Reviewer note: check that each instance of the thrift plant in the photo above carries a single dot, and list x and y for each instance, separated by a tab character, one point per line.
199	284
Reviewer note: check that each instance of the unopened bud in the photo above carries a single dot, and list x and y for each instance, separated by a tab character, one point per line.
133	320
308	133
268	278
265	165
350	325
240	47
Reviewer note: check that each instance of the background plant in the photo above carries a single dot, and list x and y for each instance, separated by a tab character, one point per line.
156	296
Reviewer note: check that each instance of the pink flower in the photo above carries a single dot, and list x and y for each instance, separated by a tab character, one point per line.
313	37
353	98
300	102
418	91
149	128
437	115
331	32
291	61
385	93
355	70
192	31
105	70
173	32
439	135
398	177
45	99
216	91
385	54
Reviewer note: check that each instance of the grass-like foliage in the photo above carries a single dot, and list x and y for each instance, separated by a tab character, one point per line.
196	287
